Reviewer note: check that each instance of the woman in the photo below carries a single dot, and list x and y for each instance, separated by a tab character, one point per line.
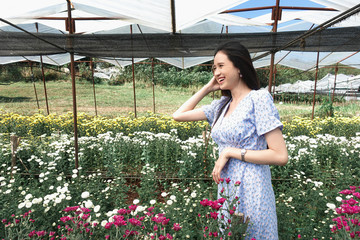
246	127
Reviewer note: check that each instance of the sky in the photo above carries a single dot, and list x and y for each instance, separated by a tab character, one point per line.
262	3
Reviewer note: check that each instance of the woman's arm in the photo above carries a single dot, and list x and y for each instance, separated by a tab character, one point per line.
187	112
276	154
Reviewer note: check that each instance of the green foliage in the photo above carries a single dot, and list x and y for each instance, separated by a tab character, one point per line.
303	98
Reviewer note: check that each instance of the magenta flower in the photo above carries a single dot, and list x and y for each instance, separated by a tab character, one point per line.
176	227
214	215
132	207
237	183
227	180
108	225
71	209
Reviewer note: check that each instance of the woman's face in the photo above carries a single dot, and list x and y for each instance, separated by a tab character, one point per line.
226	74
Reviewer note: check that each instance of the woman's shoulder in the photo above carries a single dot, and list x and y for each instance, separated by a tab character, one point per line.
261	95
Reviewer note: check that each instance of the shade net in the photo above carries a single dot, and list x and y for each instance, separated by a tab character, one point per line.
172	45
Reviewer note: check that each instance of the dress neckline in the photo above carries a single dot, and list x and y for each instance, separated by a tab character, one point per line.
228	105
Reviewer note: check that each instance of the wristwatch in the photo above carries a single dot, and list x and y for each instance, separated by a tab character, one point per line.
243	152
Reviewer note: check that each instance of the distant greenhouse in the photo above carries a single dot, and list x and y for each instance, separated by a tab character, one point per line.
345	86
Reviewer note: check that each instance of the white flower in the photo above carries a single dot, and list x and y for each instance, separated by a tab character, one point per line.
172	197
136	201
193	194
152	202
331	206
42	175
28	204
103	223
85	194
89	204
59	178
21	205
75	171
74	176
96	208
169	202
27	197
339	199
164	194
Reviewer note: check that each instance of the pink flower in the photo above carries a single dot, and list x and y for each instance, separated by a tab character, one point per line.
107	236
122	211
231	212
227	180
168	236
299	236
229	234
161	237
71	209
205	202
134	222
221	200
132	207
221	180
237	183
253	239
108	225
176	227
214	215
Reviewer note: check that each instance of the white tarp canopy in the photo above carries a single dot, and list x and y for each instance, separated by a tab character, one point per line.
344	83
202	16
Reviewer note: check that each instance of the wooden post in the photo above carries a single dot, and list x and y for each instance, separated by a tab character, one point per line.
15	141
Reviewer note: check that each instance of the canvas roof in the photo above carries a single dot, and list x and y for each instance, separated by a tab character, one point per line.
203	16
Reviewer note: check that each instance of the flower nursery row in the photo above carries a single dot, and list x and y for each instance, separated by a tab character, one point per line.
38	124
163	171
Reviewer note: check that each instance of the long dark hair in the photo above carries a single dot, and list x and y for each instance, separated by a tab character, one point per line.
240	57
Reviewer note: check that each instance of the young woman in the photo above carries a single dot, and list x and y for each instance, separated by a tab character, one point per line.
246	126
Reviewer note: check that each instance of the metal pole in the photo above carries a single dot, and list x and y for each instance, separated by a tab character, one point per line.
32	79
93	82
276	16
43	78
153	83
316	76
336	72
43	75
72	69
133	72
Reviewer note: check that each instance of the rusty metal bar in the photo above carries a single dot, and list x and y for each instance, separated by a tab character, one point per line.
133	72
45	91
93	82
153	83
73	84
32	79
282	7
43	76
276	14
316	76
336	72
173	17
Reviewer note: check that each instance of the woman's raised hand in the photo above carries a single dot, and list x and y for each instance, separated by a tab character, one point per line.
213	85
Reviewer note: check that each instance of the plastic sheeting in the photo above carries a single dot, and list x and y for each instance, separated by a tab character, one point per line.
344	84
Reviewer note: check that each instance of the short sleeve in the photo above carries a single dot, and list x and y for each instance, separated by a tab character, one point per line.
266	115
213	109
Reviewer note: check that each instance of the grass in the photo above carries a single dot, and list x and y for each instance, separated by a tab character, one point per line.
115	101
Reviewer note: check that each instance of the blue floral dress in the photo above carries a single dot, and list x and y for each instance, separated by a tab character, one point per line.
245	128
